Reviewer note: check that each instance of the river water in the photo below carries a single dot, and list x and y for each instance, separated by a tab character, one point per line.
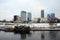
34	35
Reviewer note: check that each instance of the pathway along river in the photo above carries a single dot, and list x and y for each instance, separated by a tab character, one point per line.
36	35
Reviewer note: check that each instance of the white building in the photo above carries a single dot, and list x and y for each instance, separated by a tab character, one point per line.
35	20
23	16
43	19
19	19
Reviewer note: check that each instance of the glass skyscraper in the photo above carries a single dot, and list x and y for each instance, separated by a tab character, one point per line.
15	17
48	16
52	15
42	13
29	16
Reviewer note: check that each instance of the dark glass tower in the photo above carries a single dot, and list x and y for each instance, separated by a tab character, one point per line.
52	15
42	13
15	17
29	16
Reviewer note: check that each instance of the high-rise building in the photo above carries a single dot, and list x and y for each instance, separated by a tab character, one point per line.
23	16
29	16
15	17
19	19
42	13
52	15
48	15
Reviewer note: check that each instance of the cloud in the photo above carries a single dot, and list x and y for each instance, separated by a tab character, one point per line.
14	7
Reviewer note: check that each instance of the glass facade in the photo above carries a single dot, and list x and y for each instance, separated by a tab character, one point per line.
29	16
42	13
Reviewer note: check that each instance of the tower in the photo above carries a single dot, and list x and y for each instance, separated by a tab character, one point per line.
29	16
15	17
52	15
42	13
23	16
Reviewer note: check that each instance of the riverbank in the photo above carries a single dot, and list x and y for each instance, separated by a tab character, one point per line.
33	29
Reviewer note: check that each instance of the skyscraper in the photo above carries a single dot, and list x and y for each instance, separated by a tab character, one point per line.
42	13
48	15
23	16
52	15
29	16
15	17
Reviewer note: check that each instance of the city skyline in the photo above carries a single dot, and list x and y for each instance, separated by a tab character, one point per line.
9	8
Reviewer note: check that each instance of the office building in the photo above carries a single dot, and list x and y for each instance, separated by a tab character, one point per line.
29	16
52	15
23	16
15	17
42	13
48	15
19	19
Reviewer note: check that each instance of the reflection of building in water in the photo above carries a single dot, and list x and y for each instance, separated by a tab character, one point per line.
29	35
53	34
23	36
42	35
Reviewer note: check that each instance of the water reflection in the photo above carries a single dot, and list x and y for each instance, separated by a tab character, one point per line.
23	36
42	35
37	35
29	35
53	35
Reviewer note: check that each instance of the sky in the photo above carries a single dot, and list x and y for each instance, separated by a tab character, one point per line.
9	8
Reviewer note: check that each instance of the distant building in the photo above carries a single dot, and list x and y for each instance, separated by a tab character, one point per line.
43	20
15	17
48	15
42	13
52	15
52	18
34	20
19	19
29	16
23	16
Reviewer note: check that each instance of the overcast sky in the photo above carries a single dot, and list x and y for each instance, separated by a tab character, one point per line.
9	8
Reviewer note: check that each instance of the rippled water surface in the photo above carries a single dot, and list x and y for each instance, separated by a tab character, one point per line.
36	35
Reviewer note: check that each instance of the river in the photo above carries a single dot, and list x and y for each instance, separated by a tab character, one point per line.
34	35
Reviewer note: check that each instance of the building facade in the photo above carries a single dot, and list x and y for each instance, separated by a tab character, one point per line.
52	15
48	15
23	16
42	13
29	16
15	17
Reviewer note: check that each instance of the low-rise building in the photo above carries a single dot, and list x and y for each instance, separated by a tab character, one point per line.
43	20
